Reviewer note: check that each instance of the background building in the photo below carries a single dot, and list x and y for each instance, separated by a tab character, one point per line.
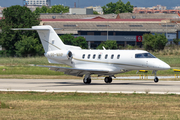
177	8
79	11
32	4
155	9
97	9
37	2
125	28
1	9
159	7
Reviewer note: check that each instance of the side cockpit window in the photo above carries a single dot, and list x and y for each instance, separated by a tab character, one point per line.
144	55
139	56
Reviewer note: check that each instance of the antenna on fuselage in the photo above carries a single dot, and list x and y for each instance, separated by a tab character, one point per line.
103	48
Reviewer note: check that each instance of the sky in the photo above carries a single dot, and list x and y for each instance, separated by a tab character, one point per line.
86	3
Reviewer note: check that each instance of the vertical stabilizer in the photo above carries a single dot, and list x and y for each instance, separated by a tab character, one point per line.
49	38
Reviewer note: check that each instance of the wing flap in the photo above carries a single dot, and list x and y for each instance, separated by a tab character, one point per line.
76	71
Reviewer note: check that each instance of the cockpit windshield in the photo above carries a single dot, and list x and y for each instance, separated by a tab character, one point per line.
144	55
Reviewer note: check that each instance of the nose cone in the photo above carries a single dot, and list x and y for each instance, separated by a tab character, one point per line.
165	66
156	64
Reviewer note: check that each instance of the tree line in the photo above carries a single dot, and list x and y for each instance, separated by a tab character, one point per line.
53	9
116	8
16	41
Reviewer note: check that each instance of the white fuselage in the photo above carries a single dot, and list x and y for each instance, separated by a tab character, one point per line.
116	61
88	62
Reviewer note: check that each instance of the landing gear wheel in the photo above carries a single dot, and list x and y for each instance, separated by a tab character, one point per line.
107	79
87	81
110	79
156	79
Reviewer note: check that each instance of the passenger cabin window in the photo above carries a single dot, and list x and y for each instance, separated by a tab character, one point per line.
83	56
94	56
112	56
144	55
99	57
106	56
118	56
89	56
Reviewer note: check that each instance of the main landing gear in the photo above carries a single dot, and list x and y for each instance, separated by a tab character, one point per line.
108	79
87	79
156	78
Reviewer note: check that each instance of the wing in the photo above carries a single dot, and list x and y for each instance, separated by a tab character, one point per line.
76	71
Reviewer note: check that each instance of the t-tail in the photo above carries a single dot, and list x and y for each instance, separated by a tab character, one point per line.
55	50
49	38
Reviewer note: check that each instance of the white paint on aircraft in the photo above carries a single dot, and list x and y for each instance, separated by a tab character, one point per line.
88	62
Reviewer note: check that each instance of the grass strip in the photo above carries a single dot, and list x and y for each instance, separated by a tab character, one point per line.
34	70
33	105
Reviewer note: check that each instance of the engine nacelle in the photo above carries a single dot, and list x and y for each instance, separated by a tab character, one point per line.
59	55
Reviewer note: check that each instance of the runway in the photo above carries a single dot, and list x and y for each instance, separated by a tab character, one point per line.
97	86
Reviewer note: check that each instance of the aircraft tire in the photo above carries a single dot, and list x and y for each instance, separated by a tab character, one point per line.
110	79
156	79
107	79
87	81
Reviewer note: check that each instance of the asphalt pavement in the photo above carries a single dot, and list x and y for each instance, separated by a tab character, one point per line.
96	86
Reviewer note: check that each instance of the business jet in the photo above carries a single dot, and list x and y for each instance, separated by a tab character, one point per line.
87	62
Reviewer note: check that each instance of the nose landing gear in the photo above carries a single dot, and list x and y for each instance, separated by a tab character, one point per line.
156	79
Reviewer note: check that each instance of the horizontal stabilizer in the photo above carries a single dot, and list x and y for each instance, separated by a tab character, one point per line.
27	29
34	29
